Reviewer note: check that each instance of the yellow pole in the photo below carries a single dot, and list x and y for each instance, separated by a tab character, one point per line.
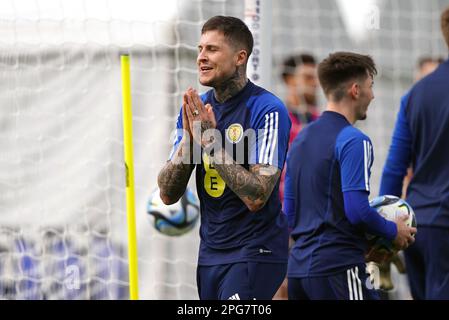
129	166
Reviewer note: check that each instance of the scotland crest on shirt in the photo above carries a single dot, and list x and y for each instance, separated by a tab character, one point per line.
234	133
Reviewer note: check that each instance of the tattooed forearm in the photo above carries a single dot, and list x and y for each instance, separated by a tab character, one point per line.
254	187
175	175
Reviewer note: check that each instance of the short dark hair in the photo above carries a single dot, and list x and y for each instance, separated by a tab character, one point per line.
428	59
445	25
425	59
292	62
234	29
340	67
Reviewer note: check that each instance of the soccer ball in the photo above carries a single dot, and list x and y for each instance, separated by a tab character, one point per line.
176	219
390	207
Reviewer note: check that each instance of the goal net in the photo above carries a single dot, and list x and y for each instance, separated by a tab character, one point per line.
62	199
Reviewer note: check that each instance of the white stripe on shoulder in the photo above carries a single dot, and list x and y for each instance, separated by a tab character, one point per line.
370	160
270	138
265	134
273	147
365	162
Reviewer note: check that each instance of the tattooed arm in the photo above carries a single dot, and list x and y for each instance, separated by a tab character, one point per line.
253	187
175	175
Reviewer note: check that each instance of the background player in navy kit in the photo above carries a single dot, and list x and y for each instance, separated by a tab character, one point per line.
243	251
299	74
421	138
424	66
327	188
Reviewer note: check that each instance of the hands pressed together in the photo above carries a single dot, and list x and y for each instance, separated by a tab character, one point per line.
197	117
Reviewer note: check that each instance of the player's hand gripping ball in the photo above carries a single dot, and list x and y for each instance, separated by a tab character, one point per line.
390	207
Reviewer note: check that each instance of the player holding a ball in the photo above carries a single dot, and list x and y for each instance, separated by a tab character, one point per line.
420	140
327	188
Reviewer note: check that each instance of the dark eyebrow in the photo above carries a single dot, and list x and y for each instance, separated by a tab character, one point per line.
208	46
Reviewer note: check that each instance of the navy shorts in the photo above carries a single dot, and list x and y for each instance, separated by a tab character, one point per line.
240	281
427	263
351	284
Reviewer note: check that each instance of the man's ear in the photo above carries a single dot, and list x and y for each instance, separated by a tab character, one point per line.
242	57
354	90
288	79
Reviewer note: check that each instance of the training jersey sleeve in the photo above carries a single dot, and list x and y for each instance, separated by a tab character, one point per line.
177	135
354	152
358	211
399	154
271	124
289	194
